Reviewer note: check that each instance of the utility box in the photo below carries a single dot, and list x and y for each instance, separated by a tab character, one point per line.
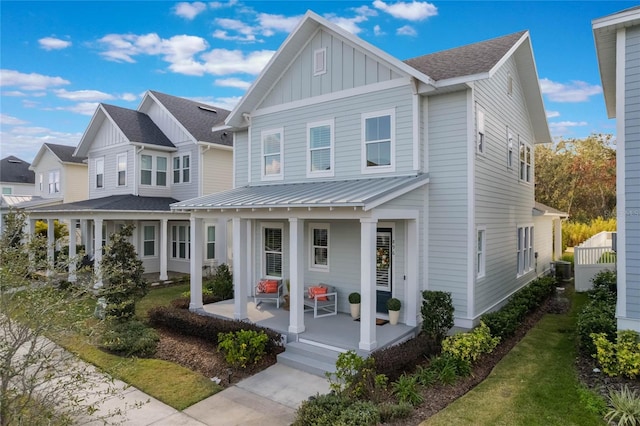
563	270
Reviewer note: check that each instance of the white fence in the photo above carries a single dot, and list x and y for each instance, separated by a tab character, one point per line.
592	256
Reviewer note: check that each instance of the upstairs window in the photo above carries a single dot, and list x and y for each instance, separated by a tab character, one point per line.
378	141
181	169
320	61
272	141
40	182
122	169
320	143
99	172
525	162
161	171
211	242
54	181
146	164
480	134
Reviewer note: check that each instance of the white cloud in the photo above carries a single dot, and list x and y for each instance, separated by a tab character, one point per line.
348	24
564	127
269	24
575	91
233	82
10	121
224	62
24	142
83	95
52	43
83	108
189	10
129	97
413	11
31	81
553	114
227	103
247	32
221	5
378	31
365	11
407	30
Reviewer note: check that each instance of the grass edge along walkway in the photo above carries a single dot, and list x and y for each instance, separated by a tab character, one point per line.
534	384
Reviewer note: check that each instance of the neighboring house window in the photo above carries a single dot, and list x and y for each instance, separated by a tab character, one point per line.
319	247
320	61
320	143
181	241
161	171
525	162
99	172
211	242
6	190
41	182
378	141
273	252
122	169
149	240
272	141
146	168
481	255
480	136
54	182
509	149
525	250
181	169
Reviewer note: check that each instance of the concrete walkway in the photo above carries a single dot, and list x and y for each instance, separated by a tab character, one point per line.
270	397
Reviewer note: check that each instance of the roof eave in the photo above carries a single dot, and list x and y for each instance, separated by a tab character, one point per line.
154	147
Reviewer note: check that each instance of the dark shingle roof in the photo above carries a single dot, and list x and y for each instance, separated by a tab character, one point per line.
472	59
197	118
128	202
65	153
137	126
13	169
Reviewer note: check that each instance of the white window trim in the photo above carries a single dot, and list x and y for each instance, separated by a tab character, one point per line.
527	250
155	171
149	170
527	164
321	173
378	169
263	265
155	240
481	135
206	241
181	169
481	253
263	174
312	265
118	157
95	173
320	68
188	243
510	146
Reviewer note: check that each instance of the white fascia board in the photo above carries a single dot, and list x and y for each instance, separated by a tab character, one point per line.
154	147
625	18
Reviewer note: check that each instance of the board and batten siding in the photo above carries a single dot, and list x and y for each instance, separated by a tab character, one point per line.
347	116
217	170
632	170
347	67
448	206
110	179
502	201
107	135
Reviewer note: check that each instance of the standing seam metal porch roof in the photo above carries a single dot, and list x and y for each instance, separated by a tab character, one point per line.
343	193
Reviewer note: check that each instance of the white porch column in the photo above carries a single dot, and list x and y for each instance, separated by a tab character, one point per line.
163	239
51	247
221	240
72	250
296	275
97	251
413	293
197	230
368	284
557	239
240	274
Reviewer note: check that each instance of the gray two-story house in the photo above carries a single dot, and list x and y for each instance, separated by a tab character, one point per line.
385	177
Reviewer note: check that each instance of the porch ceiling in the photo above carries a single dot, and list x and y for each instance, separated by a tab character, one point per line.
364	193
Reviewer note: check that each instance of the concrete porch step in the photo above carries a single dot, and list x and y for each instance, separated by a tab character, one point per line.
310	358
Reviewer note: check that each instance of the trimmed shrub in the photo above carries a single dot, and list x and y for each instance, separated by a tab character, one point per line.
243	346
131	338
606	281
221	285
354	297
332	409
355	377
621	358
469	346
598	316
395	360
437	314
206	327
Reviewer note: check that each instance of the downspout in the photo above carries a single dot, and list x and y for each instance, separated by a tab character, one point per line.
136	164
203	150
247	118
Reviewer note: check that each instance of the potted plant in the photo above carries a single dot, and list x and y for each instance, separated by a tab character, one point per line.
354	303
394	305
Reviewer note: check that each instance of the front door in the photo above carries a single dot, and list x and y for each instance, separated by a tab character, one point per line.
384	273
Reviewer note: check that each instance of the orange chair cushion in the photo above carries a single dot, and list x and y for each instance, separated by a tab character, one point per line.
268	286
316	292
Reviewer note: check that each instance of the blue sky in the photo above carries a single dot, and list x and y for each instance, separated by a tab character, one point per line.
60	59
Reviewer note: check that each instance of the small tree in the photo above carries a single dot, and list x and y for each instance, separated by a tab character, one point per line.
221	285
437	314
122	272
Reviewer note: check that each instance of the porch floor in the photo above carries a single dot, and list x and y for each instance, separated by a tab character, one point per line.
340	331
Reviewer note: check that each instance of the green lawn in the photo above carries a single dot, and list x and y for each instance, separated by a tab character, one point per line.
535	384
161	296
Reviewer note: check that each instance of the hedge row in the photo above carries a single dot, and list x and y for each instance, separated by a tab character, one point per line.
396	360
206	327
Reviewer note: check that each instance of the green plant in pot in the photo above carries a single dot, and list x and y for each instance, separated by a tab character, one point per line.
354	303
394	305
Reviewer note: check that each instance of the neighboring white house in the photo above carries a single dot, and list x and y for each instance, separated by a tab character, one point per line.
385	177
617	40
17	183
139	162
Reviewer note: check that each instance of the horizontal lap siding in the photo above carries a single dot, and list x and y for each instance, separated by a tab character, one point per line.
347	133
632	166
240	158
503	202
217	171
111	172
48	163
154	190
448	207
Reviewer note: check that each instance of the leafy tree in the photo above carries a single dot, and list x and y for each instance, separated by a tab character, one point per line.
578	176
59	229
39	382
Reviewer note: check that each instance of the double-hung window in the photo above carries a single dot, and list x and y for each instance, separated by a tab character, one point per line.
526	255
378	131
122	169
149	240
319	239
320	144
181	169
211	242
161	171
54	181
181	242
480	133
146	165
41	182
510	149
99	169
525	162
272	251
481	252
272	142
